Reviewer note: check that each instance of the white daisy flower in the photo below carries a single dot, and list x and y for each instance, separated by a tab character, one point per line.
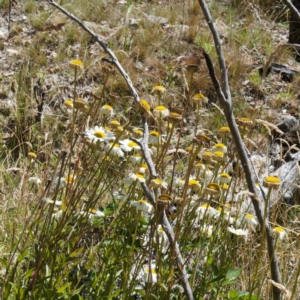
249	219
137	177
206	175
142	169
207	210
118	195
35	180
106	110
99	134
159	90
161	111
179	182
153	151
91	213
50	201
127	145
279	232
219	148
135	159
150	275
114	149
154	137
207	229
158	184
142	205
237	231
194	185
56	213
224	178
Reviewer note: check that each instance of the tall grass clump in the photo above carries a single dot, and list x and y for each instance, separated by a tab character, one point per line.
106	200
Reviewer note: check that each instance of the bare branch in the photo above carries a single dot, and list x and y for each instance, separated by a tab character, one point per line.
292	7
217	40
225	100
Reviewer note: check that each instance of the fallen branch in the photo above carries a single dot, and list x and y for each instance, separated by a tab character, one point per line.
224	96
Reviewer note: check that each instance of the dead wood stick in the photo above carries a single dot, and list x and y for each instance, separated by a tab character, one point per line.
224	96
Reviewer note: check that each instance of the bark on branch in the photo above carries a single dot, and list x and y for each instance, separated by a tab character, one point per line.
293	8
224	96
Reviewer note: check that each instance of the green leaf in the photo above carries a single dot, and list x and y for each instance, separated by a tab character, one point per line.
233	295
22	255
64	287
29	273
4	262
209	261
233	274
76	252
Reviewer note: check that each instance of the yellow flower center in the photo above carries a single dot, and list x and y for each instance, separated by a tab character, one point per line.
154	133
92	211
158	181
138	131
272	179
225	186
205	205
219	145
145	104
142	201
114	145
225	175
69	103
203	137
224	128
115	122
279	229
159	87
32	155
152	271
139	175
174	114
198	96
143	166
107	106
213	186
193	182
99	134
132	144
76	63
248	216
218	153
160	108
165	197
207	153
71	178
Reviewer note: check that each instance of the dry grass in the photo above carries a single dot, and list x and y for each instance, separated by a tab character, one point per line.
55	257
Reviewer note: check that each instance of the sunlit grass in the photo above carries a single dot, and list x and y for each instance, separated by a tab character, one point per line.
75	221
